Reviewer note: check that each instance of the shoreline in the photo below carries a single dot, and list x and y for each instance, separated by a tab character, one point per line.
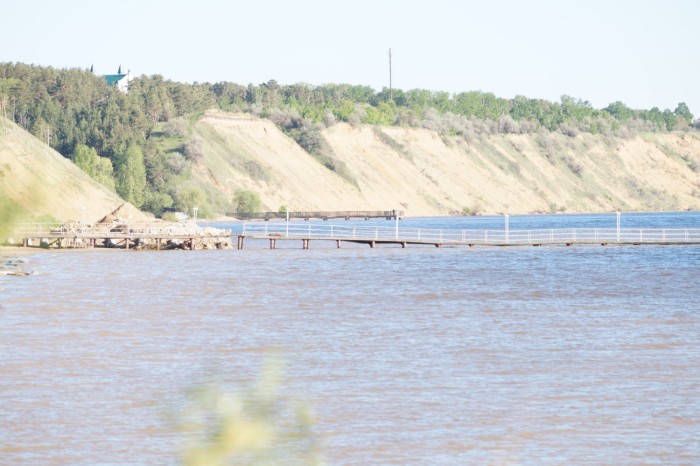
11	252
15	252
12	261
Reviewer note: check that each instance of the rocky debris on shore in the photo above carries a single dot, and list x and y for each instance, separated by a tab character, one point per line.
116	230
13	267
171	235
154	235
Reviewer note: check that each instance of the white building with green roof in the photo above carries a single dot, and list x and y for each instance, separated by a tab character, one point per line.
120	80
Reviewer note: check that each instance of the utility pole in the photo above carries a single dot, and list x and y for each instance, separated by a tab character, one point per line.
391	92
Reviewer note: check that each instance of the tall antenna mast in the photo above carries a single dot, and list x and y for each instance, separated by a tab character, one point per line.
391	92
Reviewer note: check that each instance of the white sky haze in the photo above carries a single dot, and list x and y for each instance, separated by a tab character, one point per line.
644	52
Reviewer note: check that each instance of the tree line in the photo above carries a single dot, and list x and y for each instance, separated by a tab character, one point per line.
109	133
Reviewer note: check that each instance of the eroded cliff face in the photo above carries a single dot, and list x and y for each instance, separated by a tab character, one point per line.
386	168
422	173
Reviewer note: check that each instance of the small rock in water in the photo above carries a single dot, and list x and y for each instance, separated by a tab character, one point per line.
12	267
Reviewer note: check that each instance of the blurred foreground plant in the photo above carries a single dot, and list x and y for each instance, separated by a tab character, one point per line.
9	213
256	427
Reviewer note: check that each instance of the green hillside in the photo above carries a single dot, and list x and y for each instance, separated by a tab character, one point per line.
148	145
38	184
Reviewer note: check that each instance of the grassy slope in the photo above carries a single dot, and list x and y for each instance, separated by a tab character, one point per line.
40	182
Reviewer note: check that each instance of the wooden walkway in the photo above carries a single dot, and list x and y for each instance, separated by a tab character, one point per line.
324	215
124	238
373	236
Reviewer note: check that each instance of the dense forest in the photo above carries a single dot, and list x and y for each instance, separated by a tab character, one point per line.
109	133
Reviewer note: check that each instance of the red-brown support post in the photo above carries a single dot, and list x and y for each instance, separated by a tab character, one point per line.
272	243
191	244
305	243
240	242
371	244
126	243
337	244
403	245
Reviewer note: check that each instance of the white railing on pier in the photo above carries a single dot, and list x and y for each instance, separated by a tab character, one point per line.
324	231
471	236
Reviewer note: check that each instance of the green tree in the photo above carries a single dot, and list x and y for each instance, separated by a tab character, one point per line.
575	109
619	110
188	198
382	114
671	120
523	108
157	202
343	109
655	116
131	174
247	201
99	168
85	158
683	111
104	172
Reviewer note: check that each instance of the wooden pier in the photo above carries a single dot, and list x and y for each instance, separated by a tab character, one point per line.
167	238
373	236
324	215
125	241
156	238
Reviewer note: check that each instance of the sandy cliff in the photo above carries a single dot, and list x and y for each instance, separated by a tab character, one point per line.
422	173
385	168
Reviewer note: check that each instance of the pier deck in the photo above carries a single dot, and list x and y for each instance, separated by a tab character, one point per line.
373	236
323	215
129	238
122	237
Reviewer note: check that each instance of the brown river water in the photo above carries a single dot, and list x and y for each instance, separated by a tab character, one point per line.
418	356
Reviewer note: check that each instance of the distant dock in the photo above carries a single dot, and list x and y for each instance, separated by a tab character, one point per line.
323	215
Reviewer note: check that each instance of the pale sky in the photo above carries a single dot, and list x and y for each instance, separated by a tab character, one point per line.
642	52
